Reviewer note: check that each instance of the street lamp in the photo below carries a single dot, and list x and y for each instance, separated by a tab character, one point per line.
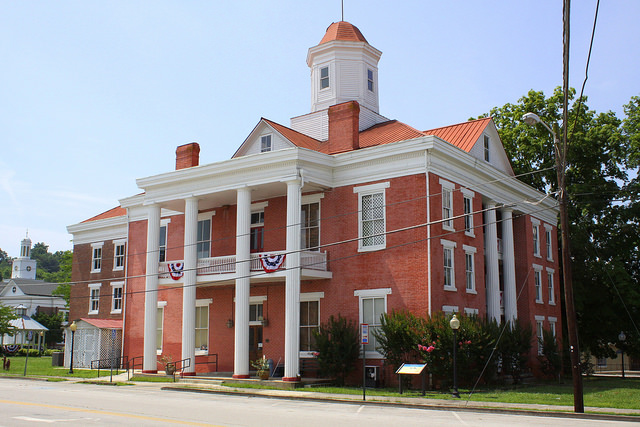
574	349
73	328
622	338
455	325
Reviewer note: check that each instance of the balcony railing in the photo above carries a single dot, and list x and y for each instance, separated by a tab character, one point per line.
227	264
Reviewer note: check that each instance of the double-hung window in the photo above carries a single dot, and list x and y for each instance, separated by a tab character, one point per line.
202	325
535	224
162	244
540	333
486	148
324	78
548	241
204	238
447	204
118	254
370	79
469	268
372	304
116	297
265	143
552	291
372	216
94	298
159	325
448	264
310	226
309	321
537	277
467	200
96	257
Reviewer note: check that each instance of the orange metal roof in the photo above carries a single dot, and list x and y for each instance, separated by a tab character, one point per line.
387	132
111	213
343	30
462	135
104	323
297	138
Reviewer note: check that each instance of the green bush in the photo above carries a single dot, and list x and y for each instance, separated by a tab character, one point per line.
551	359
514	346
398	337
338	346
33	352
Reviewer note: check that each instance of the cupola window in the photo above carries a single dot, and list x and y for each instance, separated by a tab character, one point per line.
370	79
324	77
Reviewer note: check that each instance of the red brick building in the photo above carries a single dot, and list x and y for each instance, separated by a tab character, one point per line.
342	212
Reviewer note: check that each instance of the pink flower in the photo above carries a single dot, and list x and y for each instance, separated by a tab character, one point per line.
430	349
468	342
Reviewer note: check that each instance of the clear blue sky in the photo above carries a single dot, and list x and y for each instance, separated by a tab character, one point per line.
96	94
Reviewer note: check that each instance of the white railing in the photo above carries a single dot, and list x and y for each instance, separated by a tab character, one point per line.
227	264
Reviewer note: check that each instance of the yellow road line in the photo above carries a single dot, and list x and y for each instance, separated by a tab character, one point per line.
116	414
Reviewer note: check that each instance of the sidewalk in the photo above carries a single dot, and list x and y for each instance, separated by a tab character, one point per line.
195	385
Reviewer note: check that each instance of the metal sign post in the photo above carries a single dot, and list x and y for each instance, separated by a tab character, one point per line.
29	338
364	334
113	343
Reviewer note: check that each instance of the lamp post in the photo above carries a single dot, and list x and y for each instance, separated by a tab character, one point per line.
455	325
73	328
574	349
622	338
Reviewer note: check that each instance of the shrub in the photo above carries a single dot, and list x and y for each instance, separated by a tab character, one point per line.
551	359
398	337
338	346
513	348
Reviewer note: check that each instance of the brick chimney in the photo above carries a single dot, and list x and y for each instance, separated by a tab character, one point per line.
344	120
187	155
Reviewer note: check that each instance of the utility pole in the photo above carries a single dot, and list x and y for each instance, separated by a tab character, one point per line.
561	167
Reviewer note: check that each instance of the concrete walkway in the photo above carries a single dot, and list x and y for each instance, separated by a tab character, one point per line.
211	385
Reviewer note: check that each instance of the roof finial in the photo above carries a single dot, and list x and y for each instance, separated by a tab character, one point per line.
342	1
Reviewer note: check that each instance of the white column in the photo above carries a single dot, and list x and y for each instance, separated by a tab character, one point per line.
189	284
292	284
243	283
150	363
491	254
509	267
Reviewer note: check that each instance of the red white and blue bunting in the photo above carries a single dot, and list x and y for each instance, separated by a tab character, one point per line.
176	270
271	263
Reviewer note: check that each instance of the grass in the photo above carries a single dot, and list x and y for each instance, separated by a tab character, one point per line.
41	366
151	379
598	392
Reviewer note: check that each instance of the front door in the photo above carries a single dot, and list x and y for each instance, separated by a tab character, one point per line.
255	342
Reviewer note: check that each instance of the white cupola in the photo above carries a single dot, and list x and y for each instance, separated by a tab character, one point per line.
24	267
344	67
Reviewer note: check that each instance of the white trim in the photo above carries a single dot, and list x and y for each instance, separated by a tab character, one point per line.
552	319
449	245
469	249
539	318
372	188
116	244
471	311
121	286
164	222
162	304
204	302
368	293
450	309
258	206
92	287
311	198
311	296
536	267
535	221
447	188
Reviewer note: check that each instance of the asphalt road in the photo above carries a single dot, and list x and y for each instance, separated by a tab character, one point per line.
32	403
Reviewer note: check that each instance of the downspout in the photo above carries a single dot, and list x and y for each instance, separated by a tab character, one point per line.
427	166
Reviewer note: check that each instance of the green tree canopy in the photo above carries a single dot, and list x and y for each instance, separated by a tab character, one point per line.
7	314
602	168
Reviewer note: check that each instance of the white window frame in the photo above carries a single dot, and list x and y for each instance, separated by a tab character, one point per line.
322	78
310	200
450	310
200	303
311	297
370	80
470	253
160	326
537	282
94	298
96	257
535	232
448	245
467	197
266	143
552	325
539	332
119	259
256	300
370	190
549	241
447	204
471	311
114	299
551	285
486	148
362	295
162	249
206	240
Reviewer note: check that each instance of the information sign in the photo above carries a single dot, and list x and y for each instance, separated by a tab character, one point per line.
364	328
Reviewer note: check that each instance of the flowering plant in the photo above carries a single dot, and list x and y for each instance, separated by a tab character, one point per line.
261	365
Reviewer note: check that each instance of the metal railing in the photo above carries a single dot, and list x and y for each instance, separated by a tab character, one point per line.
184	363
113	362
131	364
210	359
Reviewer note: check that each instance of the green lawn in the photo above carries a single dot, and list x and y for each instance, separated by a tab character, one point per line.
598	392
41	366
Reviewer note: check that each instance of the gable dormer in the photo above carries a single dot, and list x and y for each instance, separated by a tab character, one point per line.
344	67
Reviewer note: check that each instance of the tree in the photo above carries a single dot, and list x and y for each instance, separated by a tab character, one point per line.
7	314
338	347
604	211
53	322
5	265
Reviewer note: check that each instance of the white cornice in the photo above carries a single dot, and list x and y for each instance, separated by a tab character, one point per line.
99	230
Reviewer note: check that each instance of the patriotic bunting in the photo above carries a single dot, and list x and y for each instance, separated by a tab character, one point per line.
271	263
